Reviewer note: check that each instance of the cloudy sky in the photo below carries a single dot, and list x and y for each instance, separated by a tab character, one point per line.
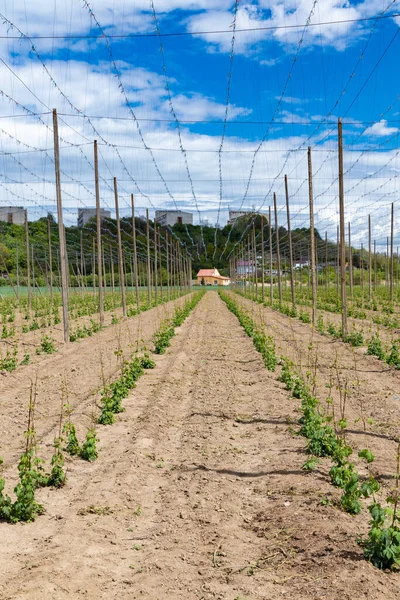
203	105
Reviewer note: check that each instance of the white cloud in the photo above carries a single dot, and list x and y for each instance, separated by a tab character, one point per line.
380	129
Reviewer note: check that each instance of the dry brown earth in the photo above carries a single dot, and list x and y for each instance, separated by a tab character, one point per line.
197	494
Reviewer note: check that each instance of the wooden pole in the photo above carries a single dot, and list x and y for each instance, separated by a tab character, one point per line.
278	251
312	237
391	253
61	231
290	242
98	234
342	233
120	258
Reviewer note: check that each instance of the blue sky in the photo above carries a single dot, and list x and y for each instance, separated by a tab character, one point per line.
302	78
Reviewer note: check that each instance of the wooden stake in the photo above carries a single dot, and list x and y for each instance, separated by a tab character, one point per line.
61	231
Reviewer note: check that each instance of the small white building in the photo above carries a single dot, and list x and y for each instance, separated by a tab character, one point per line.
85	214
171	217
13	214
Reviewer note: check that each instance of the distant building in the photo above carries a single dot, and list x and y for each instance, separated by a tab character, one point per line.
170	217
237	214
211	277
84	214
245	267
13	214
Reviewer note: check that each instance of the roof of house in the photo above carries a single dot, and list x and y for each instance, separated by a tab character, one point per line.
211	273
208	273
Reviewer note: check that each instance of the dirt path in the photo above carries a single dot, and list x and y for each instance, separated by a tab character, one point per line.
197	494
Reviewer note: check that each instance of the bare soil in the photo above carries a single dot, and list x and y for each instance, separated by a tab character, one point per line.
198	491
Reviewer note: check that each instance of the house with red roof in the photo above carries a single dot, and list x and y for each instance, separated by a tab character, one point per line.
211	277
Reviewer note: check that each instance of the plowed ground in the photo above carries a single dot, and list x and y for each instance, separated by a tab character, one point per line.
197	494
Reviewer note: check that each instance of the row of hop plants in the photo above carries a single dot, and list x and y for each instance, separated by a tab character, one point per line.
355	337
326	439
10	361
162	339
263	343
31	471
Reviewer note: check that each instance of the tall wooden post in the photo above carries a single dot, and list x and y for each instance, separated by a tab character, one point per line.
135	260
148	257
290	242
391	253
342	233
312	236
262	261
271	277
369	260
98	234
278	250
120	258
61	231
